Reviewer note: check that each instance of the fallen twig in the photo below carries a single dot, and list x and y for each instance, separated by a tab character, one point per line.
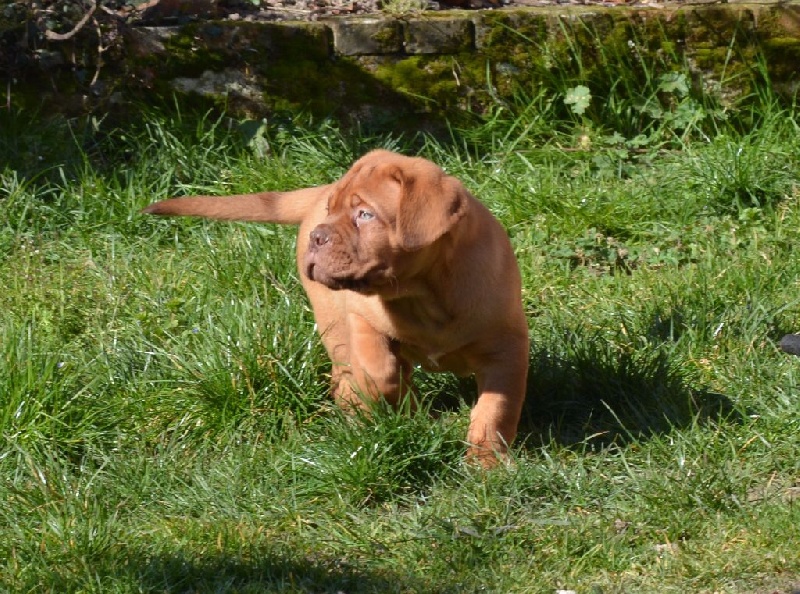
53	36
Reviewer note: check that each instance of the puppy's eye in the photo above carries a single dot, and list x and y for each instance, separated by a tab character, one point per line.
363	216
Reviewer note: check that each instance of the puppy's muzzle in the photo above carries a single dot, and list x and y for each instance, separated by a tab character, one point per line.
320	236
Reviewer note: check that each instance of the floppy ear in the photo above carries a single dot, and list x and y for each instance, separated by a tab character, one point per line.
431	203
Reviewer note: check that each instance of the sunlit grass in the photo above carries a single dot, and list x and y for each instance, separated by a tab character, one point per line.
163	407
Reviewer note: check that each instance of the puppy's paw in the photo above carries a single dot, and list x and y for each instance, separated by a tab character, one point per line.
488	456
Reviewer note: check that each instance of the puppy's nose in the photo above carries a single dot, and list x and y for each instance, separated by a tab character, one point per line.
320	236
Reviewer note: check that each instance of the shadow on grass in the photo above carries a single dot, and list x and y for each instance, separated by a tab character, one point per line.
588	391
262	571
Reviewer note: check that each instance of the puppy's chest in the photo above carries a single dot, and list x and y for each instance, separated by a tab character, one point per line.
436	347
427	334
423	323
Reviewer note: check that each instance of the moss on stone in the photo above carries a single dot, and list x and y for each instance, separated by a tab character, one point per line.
424	78
388	36
782	59
518	52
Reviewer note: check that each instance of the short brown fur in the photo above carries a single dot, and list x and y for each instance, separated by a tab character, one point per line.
403	267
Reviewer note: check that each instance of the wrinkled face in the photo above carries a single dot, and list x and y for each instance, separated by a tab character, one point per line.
382	215
354	247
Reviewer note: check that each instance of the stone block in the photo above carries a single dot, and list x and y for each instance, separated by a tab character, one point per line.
367	37
439	35
150	41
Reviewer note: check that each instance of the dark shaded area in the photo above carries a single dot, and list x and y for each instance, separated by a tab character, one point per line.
295	70
585	390
42	147
256	569
588	391
35	146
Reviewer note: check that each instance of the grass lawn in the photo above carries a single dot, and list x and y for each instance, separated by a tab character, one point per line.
164	423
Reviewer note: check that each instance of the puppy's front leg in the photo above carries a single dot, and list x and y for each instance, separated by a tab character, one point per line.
501	394
376	370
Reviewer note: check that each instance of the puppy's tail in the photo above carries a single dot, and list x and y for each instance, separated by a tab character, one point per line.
289	208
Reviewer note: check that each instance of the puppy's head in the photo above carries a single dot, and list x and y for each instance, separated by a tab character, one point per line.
385	218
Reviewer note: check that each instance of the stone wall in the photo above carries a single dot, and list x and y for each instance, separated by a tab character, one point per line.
418	66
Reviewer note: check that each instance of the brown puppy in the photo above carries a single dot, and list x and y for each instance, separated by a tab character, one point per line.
402	266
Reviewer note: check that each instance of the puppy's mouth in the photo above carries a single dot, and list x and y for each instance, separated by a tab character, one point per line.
343	283
352	284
